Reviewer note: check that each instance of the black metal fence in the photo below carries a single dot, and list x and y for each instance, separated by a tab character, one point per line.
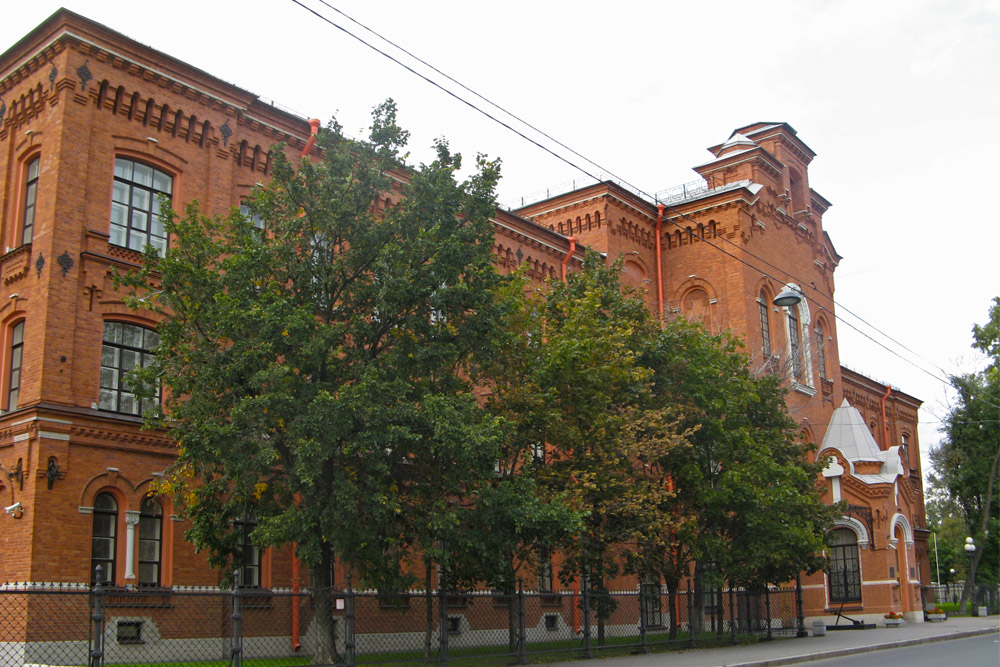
244	627
983	595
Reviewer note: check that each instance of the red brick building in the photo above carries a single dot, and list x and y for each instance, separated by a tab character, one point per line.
94	126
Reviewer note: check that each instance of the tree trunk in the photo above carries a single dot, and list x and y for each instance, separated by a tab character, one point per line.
967	592
326	638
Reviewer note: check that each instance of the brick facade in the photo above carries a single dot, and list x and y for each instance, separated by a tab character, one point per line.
77	95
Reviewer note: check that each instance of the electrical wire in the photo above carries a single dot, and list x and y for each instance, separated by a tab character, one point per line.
638	190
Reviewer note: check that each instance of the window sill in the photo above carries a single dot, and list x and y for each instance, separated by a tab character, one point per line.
803	388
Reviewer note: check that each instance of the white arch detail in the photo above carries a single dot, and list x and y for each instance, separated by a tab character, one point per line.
859	529
900	520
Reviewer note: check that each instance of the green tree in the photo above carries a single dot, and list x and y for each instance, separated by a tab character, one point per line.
746	491
319	375
602	433
966	461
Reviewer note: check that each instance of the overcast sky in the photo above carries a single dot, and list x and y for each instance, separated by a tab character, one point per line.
899	99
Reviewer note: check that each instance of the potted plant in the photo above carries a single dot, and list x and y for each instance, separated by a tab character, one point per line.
894	619
936	615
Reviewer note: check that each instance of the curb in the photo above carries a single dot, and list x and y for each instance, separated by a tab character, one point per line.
839	653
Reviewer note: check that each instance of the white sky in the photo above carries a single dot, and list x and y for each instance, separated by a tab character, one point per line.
899	99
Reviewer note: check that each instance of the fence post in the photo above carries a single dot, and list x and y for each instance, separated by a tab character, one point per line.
97	620
442	617
767	607
644	609
349	624
236	649
690	597
522	630
799	613
587	652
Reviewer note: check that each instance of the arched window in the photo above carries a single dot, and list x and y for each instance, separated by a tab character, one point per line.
845	570
765	324
820	351
126	346
16	356
104	541
30	197
150	541
135	205
795	343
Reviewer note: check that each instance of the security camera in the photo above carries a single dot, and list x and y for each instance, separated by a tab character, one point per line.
10	509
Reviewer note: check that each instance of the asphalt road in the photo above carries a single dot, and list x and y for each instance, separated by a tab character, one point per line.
983	651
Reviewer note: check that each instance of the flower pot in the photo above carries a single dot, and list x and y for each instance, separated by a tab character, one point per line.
893	622
937	618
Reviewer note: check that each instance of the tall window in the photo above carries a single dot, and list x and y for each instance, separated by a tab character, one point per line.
135	205
126	346
257	221
820	351
795	343
103	540
249	554
544	573
150	542
845	571
905	449
16	356
30	196
765	324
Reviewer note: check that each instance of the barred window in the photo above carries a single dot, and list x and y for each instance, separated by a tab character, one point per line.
845	570
135	205
126	346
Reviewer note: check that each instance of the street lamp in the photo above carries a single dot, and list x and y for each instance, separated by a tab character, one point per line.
790	296
970	549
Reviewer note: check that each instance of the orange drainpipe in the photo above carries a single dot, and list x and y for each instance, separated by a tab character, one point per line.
659	264
314	130
569	255
885	425
296	644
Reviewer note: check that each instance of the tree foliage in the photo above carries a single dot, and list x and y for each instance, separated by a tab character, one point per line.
319	375
745	485
965	463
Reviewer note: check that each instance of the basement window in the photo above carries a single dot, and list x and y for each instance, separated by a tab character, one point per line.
551	622
129	632
454	626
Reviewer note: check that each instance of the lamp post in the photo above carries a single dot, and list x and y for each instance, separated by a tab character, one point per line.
970	550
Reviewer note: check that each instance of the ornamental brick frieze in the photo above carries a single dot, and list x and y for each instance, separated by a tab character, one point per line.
35	63
16	265
19	109
120	438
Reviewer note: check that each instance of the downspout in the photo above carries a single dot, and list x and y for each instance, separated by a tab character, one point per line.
313	131
885	424
569	255
659	265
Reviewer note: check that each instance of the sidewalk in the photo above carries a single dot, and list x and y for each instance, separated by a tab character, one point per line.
807	649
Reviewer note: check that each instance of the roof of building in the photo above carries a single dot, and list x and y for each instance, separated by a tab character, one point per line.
848	434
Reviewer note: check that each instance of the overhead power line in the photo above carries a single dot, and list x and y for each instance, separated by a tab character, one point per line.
790	277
